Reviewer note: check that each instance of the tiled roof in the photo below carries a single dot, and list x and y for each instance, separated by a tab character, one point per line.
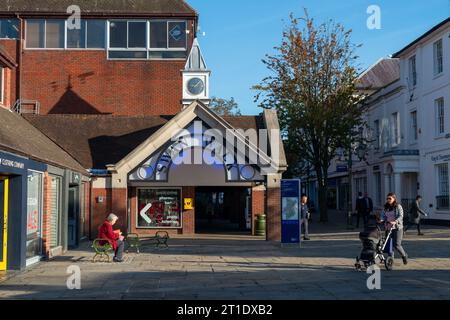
99	6
20	137
382	73
98	140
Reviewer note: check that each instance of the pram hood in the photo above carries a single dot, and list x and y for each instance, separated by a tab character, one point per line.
371	233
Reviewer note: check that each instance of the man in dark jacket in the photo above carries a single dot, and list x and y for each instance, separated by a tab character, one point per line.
415	214
368	208
360	208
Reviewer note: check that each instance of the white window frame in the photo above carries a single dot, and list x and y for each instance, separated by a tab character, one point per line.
438	57
395	134
412	71
377	128
414	126
377	177
86	37
109	49
440	168
439	121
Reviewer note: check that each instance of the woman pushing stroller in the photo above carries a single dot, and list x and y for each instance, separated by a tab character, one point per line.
392	216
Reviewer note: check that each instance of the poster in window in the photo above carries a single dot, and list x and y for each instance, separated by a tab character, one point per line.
159	208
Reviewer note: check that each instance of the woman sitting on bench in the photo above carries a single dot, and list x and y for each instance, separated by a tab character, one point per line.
105	231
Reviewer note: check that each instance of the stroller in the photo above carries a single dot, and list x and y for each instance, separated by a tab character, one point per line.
376	243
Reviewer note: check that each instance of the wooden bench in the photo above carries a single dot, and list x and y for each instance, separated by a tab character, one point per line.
102	249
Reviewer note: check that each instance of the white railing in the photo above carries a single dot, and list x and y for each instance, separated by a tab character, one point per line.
23	106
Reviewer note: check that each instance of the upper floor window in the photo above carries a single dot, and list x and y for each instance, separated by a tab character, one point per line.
45	33
438	57
395	118
440	116
414	129
9	28
136	39
91	35
2	85
412	71
377	133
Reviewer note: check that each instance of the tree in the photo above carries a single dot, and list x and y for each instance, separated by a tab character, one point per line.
225	107
312	87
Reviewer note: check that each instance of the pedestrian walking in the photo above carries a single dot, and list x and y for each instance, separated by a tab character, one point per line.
415	216
392	216
368	209
360	209
304	216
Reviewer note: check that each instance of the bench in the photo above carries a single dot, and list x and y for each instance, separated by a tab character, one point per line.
132	241
102	250
160	239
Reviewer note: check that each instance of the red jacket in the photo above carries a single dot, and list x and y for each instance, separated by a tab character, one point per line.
105	231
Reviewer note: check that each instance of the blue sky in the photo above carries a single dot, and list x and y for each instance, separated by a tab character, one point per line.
240	32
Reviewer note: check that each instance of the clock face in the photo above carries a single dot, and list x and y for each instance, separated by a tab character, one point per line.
196	86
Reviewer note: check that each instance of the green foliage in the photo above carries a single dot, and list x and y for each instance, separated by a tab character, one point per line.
224	107
312	87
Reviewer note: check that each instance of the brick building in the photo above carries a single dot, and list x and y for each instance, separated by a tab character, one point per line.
113	91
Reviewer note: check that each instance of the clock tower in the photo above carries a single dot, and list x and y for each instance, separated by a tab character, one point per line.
195	77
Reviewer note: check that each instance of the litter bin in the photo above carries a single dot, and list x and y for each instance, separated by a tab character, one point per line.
261	225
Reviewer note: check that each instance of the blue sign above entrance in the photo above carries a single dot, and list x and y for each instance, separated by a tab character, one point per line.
290	211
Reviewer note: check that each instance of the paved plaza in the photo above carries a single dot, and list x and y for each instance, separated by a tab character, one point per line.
240	267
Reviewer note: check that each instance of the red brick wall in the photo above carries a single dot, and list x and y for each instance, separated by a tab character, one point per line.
99	210
188	215
84	81
119	208
46	215
258	206
273	214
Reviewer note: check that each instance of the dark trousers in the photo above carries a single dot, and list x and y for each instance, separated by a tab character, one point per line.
364	216
119	250
413	224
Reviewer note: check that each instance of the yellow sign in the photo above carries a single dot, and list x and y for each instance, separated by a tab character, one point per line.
188	204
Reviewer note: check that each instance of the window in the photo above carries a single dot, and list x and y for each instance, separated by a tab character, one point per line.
168	39
442	198
414	129
377	132
9	28
55	211
90	35
128	39
159	208
48	34
2	85
395	129
438	57
412	71
360	185
35	33
34	214
378	194
54	33
440	116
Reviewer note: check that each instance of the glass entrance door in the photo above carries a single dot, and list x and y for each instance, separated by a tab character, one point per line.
4	182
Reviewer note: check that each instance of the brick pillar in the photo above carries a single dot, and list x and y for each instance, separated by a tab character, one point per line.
119	207
188	216
46	215
258	204
273	206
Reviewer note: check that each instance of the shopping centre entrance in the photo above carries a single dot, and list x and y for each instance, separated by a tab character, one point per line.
222	210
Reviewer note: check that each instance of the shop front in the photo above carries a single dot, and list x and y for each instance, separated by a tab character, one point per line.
21	193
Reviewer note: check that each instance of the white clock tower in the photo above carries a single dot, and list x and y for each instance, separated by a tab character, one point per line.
195	77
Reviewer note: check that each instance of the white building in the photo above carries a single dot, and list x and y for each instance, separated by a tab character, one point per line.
409	119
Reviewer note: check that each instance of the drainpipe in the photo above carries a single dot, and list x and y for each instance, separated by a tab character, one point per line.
19	63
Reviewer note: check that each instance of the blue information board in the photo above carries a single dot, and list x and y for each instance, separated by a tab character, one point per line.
290	211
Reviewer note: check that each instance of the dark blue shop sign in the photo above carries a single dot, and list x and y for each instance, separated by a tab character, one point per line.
10	163
290	211
341	168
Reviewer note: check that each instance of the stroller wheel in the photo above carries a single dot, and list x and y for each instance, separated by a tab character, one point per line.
389	263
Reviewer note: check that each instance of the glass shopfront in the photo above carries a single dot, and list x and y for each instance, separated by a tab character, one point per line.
158	208
34	216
